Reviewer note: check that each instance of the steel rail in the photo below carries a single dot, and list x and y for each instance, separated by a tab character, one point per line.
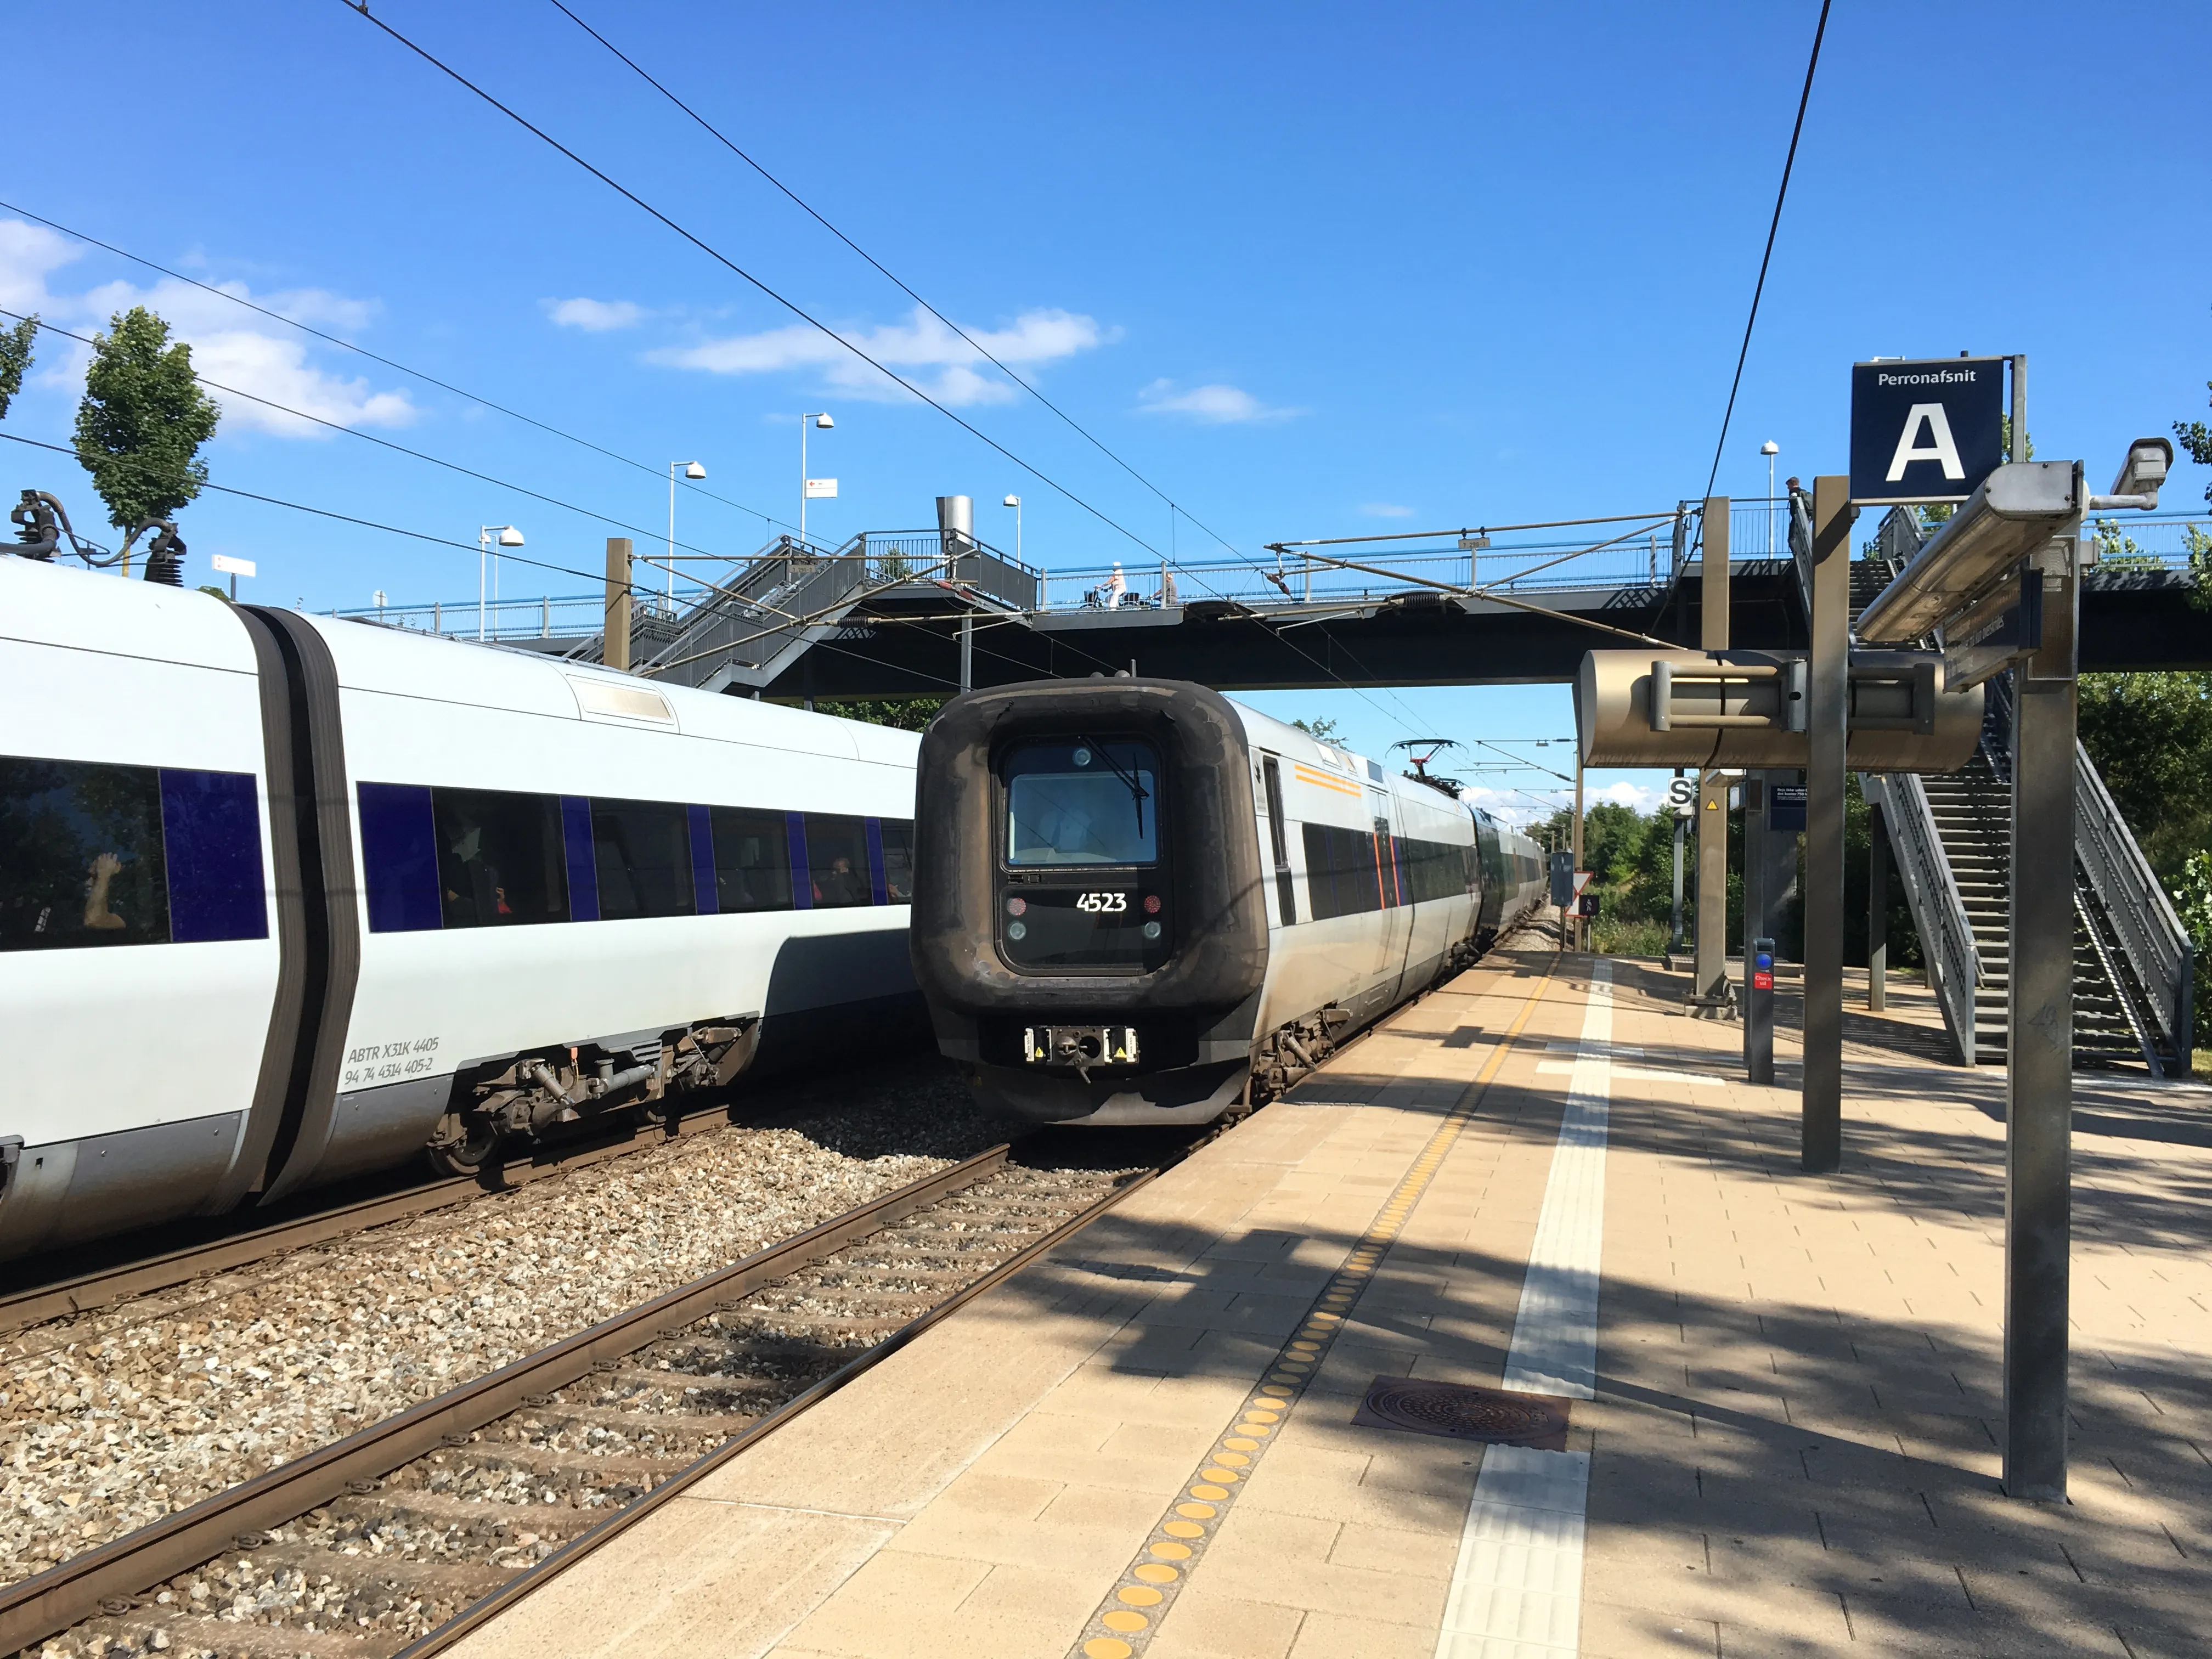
482	1613
107	1286
41	1606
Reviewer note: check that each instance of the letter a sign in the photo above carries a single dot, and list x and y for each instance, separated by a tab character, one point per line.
1926	431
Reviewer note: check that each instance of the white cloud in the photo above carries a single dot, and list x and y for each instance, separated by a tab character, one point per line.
1215	405
594	316
912	348
1643	798
227	345
1386	510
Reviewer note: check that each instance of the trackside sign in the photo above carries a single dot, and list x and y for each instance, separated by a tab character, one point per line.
1925	431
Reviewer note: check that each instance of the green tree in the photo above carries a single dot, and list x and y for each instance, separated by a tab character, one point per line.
2196	438
909	714
1320	731
2151	736
142	421
15	359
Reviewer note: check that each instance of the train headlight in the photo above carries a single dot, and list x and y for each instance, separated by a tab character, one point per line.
1018	930
1082	756
1152	930
1151	904
1016	907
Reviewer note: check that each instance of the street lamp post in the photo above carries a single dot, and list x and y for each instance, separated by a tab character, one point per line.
691	469
507	536
1770	449
826	424
1015	501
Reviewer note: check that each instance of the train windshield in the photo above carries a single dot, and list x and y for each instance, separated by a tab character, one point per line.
1082	802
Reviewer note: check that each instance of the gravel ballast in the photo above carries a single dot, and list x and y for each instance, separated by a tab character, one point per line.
130	1413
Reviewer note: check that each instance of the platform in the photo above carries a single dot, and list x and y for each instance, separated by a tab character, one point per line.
1145	1444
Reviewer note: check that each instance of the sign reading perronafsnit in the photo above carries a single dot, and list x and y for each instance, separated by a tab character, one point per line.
1925	431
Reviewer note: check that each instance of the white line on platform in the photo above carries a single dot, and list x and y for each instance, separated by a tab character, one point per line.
1518	1586
1636	1073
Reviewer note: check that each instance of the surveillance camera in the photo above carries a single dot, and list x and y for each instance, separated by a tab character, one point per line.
2149	459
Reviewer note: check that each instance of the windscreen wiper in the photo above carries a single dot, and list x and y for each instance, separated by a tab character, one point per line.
1137	791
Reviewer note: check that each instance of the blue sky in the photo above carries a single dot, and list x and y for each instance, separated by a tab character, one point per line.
1301	266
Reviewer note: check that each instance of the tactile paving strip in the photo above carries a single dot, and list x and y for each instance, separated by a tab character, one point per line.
1126	1621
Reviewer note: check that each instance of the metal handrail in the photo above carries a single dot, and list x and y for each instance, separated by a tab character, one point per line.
2114	875
1955	964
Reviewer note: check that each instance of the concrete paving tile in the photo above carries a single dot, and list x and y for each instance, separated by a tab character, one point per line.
1063	1598
1203	1624
1613	1631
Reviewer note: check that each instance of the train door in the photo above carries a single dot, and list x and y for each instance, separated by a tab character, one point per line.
1279	840
1395	933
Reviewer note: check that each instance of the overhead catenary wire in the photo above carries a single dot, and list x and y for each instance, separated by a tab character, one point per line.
808	208
378	357
1781	194
386	443
359	7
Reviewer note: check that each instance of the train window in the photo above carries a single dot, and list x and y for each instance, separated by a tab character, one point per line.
82	861
642	849
1082	802
500	858
1279	836
898	861
837	861
1342	875
752	860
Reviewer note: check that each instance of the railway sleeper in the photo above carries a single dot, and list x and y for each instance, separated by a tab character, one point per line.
488	1524
522	1474
676	1431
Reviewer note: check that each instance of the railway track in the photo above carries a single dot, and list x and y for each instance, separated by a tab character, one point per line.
241	1245
408	1534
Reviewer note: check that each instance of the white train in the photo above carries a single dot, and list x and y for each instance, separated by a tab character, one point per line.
1139	903
284	899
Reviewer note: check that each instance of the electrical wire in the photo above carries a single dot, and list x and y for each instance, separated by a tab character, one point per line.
1773	225
359	7
806	208
385	443
376	357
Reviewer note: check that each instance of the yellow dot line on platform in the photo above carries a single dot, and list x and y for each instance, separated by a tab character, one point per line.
1125	1622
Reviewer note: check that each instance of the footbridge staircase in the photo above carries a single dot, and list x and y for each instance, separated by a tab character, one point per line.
1952	837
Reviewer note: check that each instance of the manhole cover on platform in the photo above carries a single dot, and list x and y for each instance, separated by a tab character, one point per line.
1462	1412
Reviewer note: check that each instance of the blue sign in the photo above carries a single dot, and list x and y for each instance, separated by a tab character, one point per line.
1785	807
1925	431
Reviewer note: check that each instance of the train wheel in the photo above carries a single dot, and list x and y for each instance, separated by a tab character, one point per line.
472	1140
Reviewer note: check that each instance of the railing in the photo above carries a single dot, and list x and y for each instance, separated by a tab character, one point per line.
550	616
2117	879
1946	937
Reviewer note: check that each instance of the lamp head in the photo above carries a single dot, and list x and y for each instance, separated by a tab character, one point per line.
824	422
1011	501
1770	447
510	536
693	470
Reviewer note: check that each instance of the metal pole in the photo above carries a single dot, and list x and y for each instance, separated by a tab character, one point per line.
1675	935
671	534
967	651
482	546
1828	693
802	488
1710	988
613	641
1877	910
2039	1042
1581	932
1757	924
